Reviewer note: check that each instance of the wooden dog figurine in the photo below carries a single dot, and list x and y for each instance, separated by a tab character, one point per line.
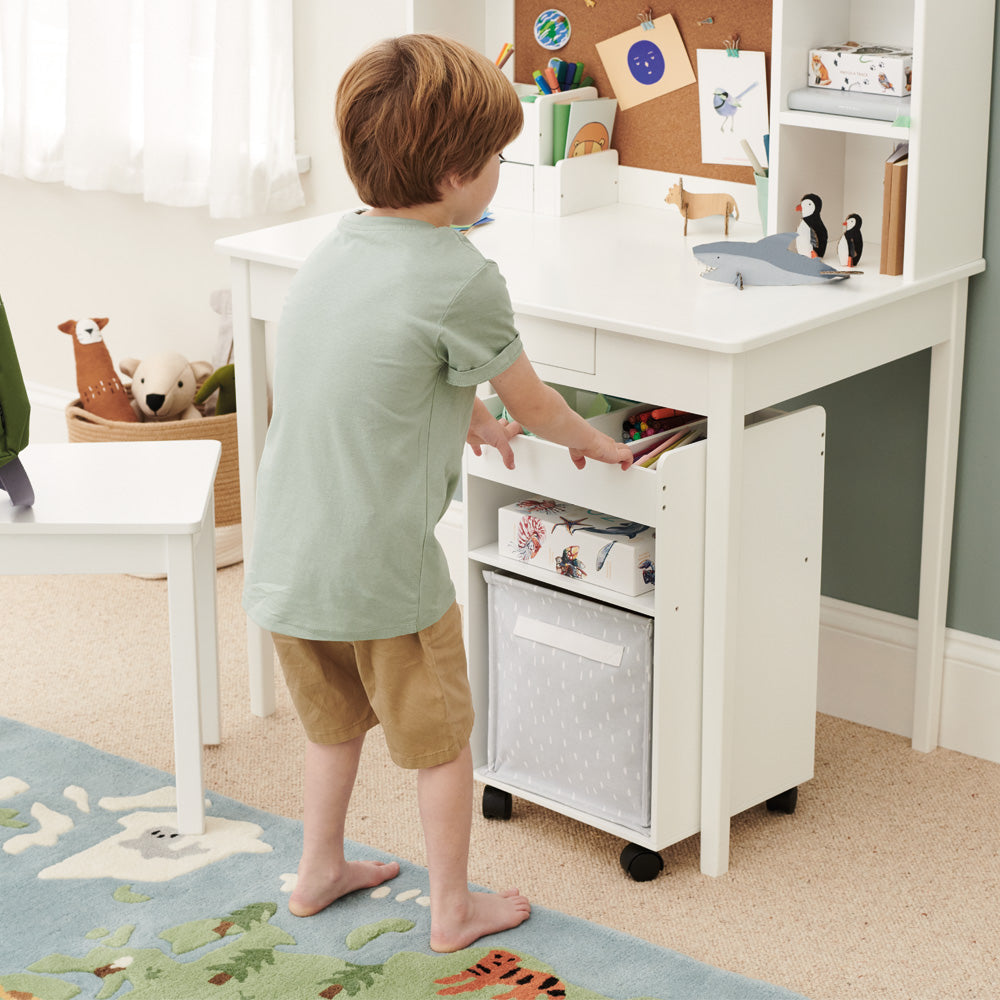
699	206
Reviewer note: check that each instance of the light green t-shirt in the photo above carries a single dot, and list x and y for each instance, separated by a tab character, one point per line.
388	327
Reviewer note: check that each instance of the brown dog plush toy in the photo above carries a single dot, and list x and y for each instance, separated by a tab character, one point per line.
101	391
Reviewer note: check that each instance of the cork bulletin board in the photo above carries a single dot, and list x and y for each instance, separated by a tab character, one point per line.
663	133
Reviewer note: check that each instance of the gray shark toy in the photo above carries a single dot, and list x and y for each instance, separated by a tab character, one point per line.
770	261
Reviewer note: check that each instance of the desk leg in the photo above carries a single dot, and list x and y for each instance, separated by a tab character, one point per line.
185	646
723	501
944	408
208	645
249	359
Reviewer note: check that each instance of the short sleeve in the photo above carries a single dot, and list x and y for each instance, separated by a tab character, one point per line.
478	339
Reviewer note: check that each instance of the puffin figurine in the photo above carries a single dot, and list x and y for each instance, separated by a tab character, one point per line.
810	207
850	245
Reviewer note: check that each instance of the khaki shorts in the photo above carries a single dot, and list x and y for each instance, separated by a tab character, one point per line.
416	686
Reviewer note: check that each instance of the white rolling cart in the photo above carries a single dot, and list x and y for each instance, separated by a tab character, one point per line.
777	619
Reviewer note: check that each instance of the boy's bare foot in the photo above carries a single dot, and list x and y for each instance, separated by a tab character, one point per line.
311	895
481	914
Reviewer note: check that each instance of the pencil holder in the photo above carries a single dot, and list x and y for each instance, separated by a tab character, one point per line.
761	183
573	185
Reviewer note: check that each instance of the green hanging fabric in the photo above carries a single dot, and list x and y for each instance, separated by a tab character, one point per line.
15	411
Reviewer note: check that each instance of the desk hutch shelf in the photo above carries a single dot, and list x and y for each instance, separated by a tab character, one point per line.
842	158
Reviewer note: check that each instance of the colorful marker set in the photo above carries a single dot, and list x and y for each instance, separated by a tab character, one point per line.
561	75
651	422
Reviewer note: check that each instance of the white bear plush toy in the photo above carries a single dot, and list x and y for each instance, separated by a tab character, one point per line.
163	386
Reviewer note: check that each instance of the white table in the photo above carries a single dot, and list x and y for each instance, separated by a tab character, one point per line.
136	507
611	300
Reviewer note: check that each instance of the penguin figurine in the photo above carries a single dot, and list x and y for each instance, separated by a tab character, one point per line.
810	207
850	244
803	238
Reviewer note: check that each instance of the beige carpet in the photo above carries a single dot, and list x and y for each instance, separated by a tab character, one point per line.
883	884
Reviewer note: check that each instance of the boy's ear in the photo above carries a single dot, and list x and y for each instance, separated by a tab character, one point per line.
450	183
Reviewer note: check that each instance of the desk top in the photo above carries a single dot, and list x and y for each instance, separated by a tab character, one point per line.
114	488
629	269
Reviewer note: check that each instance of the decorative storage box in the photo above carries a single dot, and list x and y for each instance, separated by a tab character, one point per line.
868	69
578	543
570	714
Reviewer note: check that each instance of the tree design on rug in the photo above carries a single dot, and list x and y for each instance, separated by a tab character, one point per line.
243	961
8	817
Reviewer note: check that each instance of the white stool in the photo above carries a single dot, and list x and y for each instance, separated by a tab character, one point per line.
136	507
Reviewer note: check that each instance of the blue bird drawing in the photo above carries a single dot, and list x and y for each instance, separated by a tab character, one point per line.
727	106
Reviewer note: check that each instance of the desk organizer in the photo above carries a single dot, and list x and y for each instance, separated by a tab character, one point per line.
535	144
570	712
574	185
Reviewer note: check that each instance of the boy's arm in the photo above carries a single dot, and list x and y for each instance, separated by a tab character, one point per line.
485	429
544	412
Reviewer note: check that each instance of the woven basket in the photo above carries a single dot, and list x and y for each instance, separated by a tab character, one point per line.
85	426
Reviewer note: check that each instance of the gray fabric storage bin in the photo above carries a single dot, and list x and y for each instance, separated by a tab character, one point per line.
570	699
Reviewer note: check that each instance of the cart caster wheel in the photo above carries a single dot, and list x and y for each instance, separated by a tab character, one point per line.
497	804
785	802
641	864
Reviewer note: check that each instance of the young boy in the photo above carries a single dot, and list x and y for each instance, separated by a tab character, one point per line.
388	328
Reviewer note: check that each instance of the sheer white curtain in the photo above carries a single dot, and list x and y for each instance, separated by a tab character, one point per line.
186	102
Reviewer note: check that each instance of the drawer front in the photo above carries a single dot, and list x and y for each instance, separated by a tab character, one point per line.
558	345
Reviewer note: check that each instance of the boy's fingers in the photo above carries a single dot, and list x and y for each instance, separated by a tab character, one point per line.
506	453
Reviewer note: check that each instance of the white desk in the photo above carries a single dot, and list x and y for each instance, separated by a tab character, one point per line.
611	299
136	507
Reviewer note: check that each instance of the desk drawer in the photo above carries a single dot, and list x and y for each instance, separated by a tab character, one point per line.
558	345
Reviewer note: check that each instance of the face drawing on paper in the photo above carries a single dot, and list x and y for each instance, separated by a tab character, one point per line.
645	62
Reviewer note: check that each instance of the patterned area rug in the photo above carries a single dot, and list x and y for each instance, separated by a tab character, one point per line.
102	898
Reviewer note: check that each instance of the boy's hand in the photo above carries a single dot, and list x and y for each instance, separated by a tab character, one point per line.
485	429
605	449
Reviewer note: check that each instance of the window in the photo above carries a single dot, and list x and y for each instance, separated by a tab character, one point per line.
186	102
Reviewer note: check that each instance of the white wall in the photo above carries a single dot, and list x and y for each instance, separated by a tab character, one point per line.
69	254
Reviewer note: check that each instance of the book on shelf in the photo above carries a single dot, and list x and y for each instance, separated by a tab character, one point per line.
894	210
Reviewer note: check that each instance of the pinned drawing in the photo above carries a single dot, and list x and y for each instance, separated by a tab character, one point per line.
726	106
732	104
646	62
552	29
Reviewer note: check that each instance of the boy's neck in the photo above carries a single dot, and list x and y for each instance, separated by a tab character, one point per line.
436	213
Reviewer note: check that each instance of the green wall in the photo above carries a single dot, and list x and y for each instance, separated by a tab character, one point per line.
876	425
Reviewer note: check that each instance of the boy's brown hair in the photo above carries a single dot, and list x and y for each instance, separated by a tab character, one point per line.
414	109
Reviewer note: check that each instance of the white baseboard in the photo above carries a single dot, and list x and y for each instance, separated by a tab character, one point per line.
867	666
48	413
